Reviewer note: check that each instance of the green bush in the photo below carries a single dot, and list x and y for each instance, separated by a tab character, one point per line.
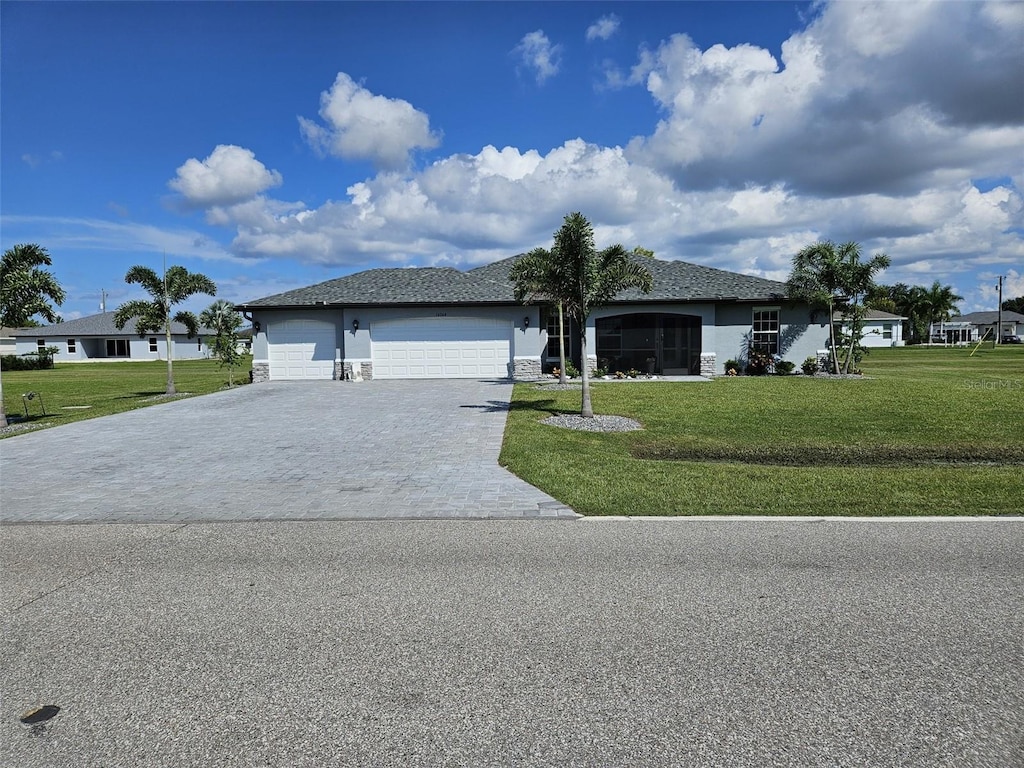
30	361
784	367
810	366
734	366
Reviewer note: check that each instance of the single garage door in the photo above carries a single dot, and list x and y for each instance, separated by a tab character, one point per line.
441	348
301	349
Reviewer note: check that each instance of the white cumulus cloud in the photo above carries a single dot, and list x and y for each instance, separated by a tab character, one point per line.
603	28
536	53
230	175
361	125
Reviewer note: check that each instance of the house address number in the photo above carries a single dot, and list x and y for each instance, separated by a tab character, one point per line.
440	314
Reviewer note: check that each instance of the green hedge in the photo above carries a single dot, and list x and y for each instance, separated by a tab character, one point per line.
30	361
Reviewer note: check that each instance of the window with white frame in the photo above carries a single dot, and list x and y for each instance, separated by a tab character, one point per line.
72	348
152	343
887	331
40	344
118	348
765	336
552	349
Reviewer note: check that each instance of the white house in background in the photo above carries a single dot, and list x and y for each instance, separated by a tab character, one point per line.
97	338
433	322
983	325
8	345
881	329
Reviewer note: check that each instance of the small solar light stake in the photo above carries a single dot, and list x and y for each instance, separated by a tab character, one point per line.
32	396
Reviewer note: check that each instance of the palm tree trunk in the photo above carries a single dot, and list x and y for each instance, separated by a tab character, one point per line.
170	366
832	338
3	411
561	346
586	409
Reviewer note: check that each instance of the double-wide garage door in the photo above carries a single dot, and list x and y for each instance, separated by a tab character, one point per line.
441	348
301	349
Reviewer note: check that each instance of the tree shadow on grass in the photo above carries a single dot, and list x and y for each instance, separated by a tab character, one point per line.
546	406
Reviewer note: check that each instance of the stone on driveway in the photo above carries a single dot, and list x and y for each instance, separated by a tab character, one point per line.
280	451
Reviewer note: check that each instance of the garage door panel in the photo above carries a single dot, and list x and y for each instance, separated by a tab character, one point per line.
301	349
459	347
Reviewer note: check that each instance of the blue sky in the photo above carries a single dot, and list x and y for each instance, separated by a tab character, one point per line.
274	145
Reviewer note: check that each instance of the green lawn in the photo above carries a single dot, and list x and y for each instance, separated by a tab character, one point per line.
108	388
929	431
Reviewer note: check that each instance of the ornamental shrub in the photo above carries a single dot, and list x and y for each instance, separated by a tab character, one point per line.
810	366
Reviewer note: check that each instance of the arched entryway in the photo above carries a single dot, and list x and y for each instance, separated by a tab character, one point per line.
656	342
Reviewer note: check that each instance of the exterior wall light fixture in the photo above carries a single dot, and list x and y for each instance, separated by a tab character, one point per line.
355	325
526	322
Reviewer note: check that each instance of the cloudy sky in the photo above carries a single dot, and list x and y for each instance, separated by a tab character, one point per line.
271	146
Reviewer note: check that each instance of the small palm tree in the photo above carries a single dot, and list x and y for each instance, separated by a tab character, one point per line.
224	321
177	285
578	277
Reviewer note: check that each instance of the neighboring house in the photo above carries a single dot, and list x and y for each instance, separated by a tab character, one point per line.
983	325
7	342
881	329
444	323
97	338
244	344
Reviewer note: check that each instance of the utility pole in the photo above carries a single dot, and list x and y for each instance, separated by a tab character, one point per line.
999	313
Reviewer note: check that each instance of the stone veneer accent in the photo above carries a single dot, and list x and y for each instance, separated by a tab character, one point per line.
526	368
260	373
348	373
708	363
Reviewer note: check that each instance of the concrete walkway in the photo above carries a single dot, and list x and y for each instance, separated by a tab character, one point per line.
280	451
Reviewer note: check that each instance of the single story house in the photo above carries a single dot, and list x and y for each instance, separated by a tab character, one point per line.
7	342
983	325
435	322
95	337
881	329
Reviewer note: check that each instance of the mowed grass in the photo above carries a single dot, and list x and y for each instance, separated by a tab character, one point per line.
927	432
76	391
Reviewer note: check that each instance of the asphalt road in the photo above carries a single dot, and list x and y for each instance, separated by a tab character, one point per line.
514	643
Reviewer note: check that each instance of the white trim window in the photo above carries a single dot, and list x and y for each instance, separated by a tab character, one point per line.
765	330
152	343
40	345
552	351
72	348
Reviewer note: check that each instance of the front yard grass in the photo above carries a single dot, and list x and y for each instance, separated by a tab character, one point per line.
76	391
927	432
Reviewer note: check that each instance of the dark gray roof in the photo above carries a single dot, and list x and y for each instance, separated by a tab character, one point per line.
872	314
987	318
95	325
673	281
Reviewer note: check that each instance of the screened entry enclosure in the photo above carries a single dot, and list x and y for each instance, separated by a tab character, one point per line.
658	343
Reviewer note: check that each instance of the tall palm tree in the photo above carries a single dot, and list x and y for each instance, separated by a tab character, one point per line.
580	278
26	291
932	305
176	285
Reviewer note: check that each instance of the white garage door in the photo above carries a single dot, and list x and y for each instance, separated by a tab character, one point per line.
301	349
441	348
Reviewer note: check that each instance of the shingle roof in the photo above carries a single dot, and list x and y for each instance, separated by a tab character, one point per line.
95	325
987	318
673	281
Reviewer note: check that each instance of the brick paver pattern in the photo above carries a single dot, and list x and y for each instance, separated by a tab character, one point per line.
279	451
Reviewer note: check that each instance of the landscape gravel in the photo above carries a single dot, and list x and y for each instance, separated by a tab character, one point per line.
594	424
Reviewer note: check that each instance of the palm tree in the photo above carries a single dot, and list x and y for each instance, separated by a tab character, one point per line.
932	305
533	274
222	318
579	278
857	279
26	290
176	285
830	276
817	279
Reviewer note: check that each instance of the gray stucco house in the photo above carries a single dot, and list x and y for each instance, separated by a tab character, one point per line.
436	322
95	337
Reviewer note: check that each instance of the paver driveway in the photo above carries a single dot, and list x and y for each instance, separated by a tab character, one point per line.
282	450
